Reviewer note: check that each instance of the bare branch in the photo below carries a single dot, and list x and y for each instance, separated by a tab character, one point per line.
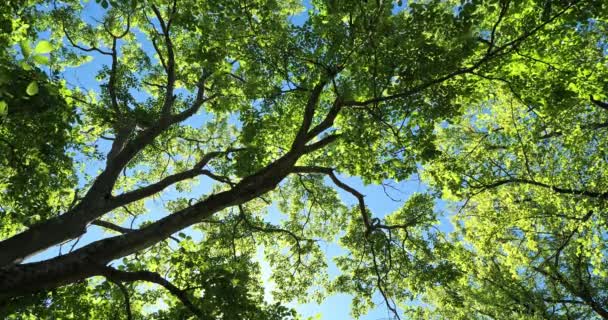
380	284
273	229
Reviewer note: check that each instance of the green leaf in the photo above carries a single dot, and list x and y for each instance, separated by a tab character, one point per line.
104	4
41	59
32	88
3	108
25	66
26	50
43	47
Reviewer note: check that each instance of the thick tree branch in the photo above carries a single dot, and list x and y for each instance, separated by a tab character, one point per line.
25	278
95	203
121	139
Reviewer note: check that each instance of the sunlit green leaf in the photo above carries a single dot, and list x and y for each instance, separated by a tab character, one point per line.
32	88
43	47
41	59
3	108
25	48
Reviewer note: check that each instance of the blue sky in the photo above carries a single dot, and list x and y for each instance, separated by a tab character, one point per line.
334	307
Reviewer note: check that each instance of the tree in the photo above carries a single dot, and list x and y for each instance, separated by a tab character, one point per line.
230	110
525	162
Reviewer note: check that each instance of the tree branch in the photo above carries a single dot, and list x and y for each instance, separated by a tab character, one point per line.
117	276
309	112
30	277
152	189
328	121
321	143
330	172
114	66
218	178
97	201
125	293
503	11
598	103
67	35
586	193
111	226
170	63
578	292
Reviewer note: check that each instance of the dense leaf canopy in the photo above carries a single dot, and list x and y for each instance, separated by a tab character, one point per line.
190	144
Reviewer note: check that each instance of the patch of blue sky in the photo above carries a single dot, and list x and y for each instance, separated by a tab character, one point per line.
301	18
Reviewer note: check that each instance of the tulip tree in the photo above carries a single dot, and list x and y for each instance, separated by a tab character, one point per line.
175	132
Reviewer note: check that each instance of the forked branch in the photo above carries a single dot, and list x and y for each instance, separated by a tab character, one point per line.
125	276
330	173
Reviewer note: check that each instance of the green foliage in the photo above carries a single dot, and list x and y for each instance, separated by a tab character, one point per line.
526	163
216	104
36	132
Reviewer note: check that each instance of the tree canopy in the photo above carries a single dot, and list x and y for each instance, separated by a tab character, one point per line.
189	143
